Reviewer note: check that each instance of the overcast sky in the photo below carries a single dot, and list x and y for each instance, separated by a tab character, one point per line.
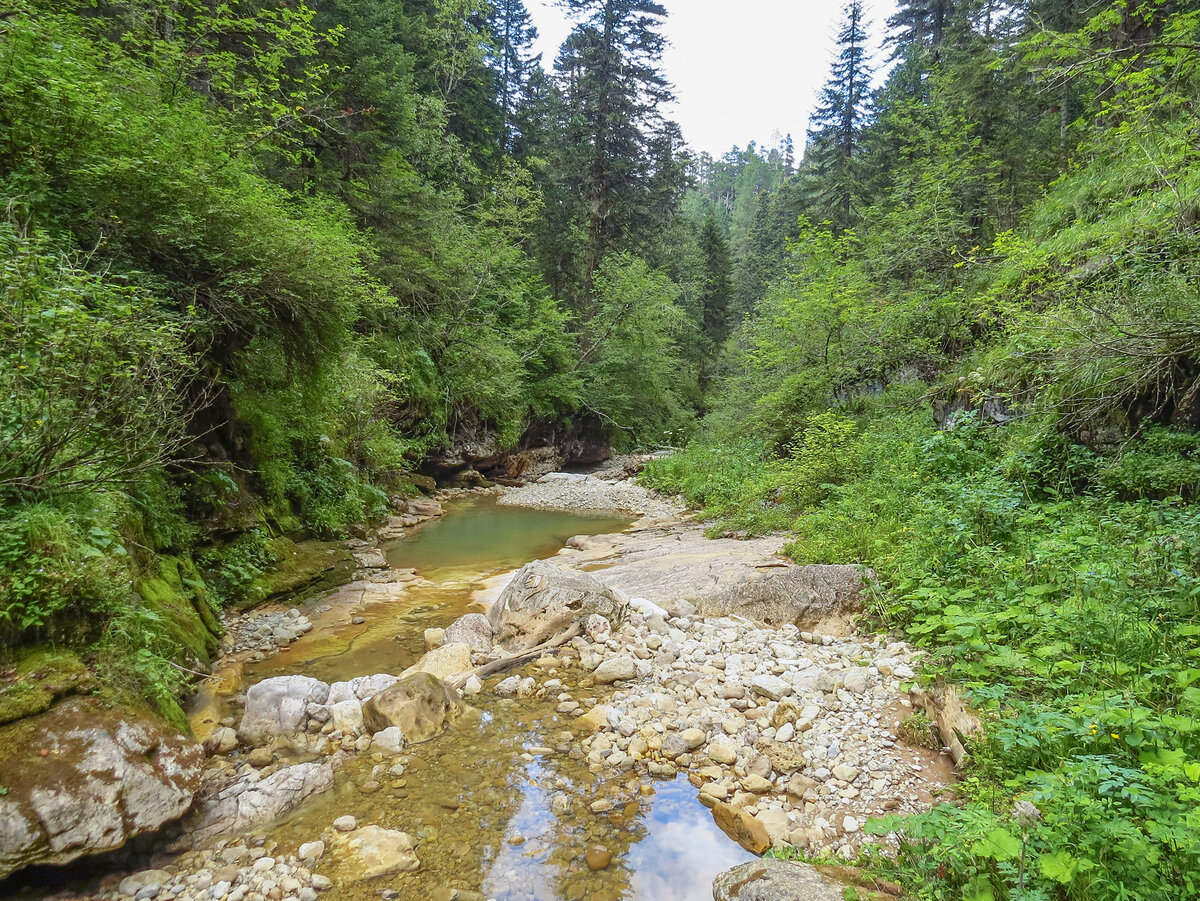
742	69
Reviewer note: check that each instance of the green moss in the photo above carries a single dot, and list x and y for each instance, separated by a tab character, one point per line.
184	612
39	677
299	566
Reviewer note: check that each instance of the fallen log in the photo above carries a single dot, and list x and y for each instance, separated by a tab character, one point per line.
507	663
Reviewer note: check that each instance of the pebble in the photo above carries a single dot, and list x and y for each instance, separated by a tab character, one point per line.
345	823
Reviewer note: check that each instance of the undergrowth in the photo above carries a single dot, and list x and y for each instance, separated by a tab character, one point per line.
1060	588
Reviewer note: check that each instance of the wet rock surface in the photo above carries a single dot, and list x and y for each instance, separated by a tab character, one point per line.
83	778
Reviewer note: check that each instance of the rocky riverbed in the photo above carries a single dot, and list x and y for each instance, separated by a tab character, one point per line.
670	673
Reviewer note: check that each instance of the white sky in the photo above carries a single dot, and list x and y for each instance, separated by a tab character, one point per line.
742	69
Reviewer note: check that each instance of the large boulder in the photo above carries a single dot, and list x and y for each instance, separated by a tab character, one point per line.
542	601
278	708
234	807
805	596
84	778
421	704
473	630
776	880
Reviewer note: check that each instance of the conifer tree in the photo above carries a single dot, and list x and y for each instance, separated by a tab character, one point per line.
611	73
718	267
920	26
513	61
835	134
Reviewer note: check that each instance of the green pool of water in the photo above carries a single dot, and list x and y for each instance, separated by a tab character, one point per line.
478	537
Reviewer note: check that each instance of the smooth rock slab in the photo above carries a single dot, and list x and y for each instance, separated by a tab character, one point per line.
776	880
240	807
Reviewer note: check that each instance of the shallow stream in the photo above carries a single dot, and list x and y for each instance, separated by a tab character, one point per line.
498	804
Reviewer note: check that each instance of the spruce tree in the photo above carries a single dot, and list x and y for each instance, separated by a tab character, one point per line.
718	268
920	25
836	129
610	70
514	62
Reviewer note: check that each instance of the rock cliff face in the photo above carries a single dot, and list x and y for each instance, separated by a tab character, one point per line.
84	778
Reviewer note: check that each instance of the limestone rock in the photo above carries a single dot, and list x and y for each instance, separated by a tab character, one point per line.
775	821
362	688
347	717
278	707
473	630
224	740
390	741
616	669
131	885
372	852
421	704
741	827
802	595
757	784
542	600
106	776
434	638
508	688
770	687
857	680
444	662
723	749
785	758
776	880
240	806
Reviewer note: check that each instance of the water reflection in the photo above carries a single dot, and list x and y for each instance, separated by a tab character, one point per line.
663	844
683	850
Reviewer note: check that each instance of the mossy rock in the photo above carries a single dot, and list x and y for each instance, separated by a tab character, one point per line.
299	566
37	678
174	592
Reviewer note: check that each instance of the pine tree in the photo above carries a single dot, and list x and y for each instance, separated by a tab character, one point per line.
835	135
513	61
611	74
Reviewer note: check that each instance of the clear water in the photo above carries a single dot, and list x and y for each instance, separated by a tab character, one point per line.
476	801
478	537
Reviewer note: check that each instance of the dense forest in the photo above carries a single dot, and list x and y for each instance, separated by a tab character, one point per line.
263	262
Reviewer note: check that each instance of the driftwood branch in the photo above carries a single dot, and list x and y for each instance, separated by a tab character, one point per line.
507	663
